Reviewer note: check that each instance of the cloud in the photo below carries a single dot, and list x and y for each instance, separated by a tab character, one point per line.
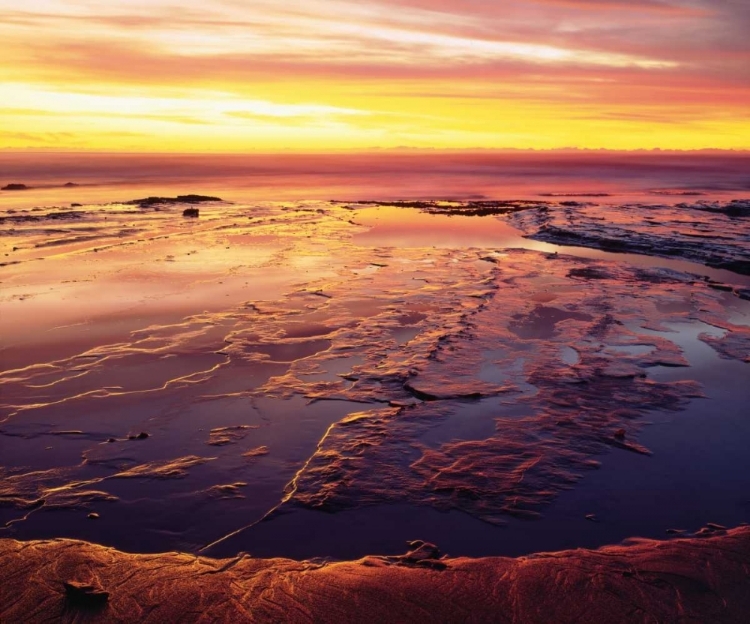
392	67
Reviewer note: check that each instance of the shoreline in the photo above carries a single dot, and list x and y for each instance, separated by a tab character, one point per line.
428	373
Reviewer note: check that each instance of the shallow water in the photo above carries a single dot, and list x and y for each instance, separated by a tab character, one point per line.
359	376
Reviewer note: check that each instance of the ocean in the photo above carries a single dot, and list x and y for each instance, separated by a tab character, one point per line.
611	177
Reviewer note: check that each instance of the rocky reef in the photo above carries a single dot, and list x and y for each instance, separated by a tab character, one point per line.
280	365
716	234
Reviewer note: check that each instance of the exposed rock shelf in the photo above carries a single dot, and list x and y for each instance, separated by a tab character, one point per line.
701	579
716	234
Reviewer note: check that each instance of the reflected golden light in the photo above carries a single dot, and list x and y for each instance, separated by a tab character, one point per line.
339	75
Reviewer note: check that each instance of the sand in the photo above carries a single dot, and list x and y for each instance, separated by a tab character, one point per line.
687	580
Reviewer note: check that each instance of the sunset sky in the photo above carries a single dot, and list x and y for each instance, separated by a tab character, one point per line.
264	75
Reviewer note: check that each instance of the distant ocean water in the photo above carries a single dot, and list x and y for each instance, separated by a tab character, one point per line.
604	177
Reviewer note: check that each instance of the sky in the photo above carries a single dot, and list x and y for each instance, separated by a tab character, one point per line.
326	75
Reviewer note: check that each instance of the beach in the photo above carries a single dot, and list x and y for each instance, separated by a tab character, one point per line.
320	365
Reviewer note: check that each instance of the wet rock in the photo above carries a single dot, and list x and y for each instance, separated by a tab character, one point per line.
589	273
720	287
221	436
191	212
620	434
180	199
256	452
734	208
423	550
227	492
20	219
65	214
704	232
421	554
141	436
716	527
449	393
475	208
93	516
633	447
169	469
734	345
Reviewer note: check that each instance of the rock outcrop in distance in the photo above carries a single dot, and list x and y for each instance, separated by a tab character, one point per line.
180	199
15	187
684	580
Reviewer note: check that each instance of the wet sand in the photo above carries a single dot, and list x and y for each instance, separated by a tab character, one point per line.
331	379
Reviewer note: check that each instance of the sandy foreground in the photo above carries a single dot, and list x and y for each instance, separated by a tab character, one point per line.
277	379
688	580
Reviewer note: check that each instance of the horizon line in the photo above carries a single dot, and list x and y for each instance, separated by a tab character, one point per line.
381	150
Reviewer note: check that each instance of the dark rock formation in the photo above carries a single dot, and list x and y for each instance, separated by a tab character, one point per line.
711	233
15	187
476	208
180	199
62	215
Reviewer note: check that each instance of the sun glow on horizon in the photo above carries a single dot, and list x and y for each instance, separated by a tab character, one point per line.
335	74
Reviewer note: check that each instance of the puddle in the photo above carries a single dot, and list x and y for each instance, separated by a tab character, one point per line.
405	334
407	227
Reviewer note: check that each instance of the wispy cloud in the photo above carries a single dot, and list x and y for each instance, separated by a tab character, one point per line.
381	69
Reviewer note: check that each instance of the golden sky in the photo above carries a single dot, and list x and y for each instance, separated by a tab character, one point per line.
265	75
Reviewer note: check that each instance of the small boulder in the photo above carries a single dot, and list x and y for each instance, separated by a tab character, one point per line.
190	212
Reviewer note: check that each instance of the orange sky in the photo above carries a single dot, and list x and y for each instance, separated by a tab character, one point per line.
264	75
